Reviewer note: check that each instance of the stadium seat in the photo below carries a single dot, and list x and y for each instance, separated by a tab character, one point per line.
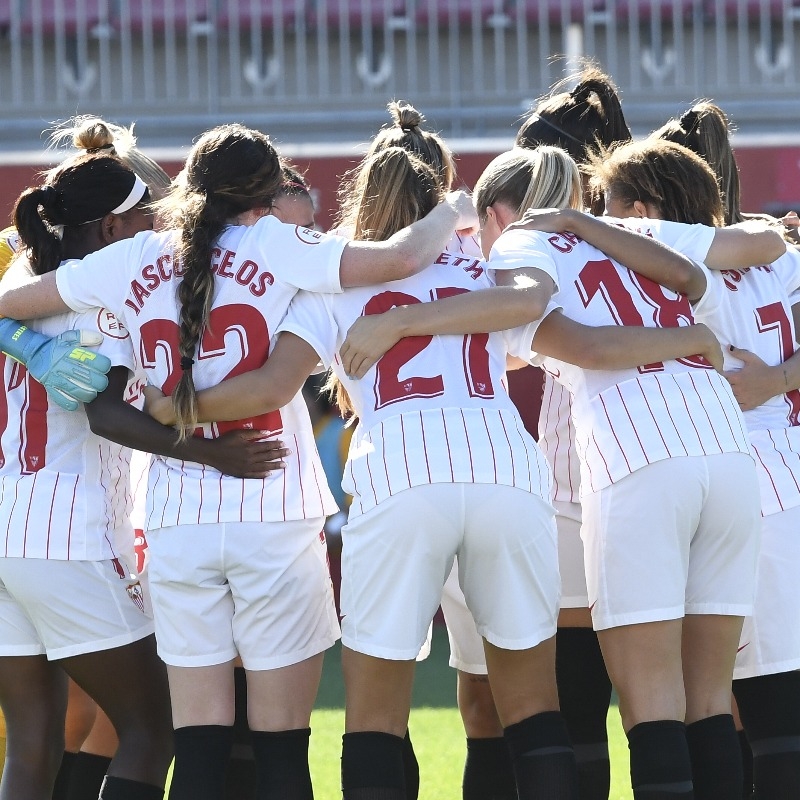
464	12
617	11
751	10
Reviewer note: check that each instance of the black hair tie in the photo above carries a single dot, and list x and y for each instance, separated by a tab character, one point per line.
49	196
186	362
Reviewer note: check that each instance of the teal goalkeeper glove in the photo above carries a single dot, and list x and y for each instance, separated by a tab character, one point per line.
70	374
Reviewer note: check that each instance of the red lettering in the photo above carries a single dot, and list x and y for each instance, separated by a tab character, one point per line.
260	286
139	292
561	246
225	265
246	272
444	258
165	274
149	273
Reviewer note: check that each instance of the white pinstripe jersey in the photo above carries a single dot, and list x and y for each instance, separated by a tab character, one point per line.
257	271
434	409
64	492
626	419
751	309
557	440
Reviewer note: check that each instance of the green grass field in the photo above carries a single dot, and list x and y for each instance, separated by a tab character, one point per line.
435	730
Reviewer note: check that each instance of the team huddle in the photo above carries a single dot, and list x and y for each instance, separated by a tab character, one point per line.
164	501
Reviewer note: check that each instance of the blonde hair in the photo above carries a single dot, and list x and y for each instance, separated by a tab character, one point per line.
545	177
388	191
95	135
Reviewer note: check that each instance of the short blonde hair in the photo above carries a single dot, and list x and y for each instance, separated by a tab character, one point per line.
545	177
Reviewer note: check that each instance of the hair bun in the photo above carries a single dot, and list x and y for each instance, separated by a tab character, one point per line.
689	120
405	116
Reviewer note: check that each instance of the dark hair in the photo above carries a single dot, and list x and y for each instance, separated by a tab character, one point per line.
231	169
580	120
406	131
293	183
704	129
82	190
663	174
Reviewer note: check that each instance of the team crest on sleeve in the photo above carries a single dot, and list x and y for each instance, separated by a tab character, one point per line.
307	236
136	595
109	325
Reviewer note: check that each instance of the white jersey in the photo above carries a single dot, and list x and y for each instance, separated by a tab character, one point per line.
64	492
557	440
627	419
258	269
434	409
751	309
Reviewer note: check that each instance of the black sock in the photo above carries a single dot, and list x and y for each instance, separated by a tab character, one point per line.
202	753
87	776
716	758
240	780
747	766
660	765
542	757
61	785
282	764
410	768
488	773
584	693
372	766
123	789
769	706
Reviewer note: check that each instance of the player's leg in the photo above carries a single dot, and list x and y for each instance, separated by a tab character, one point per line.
719	593
33	697
284	620
129	683
636	583
388	601
584	688
94	757
81	713
508	568
488	774
240	780
766	681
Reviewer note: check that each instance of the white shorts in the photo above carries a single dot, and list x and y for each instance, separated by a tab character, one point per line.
397	556
261	590
770	640
466	644
676	537
570	555
68	608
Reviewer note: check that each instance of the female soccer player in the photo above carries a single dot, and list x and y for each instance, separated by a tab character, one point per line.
751	311
201	300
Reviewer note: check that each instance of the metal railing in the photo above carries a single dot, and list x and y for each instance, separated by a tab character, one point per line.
314	69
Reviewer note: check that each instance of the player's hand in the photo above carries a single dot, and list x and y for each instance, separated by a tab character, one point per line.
368	339
713	350
467	222
158	405
247	454
756	382
70	374
549	220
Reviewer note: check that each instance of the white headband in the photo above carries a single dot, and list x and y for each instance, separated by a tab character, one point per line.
136	194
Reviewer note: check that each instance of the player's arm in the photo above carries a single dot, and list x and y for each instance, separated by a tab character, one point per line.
259	391
637	252
238	453
747	244
521	300
25	296
411	249
613	347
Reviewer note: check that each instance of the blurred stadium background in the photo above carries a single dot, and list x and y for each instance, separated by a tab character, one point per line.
317	74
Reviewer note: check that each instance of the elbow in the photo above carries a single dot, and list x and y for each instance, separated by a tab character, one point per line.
776	246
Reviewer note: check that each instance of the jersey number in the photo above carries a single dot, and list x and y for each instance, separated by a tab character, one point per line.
33	417
667	312
773	318
236	328
390	388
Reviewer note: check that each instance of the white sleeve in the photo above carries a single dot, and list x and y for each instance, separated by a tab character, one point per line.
310	317
787	268
100	279
519	341
693	241
116	342
523	250
301	257
714	296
